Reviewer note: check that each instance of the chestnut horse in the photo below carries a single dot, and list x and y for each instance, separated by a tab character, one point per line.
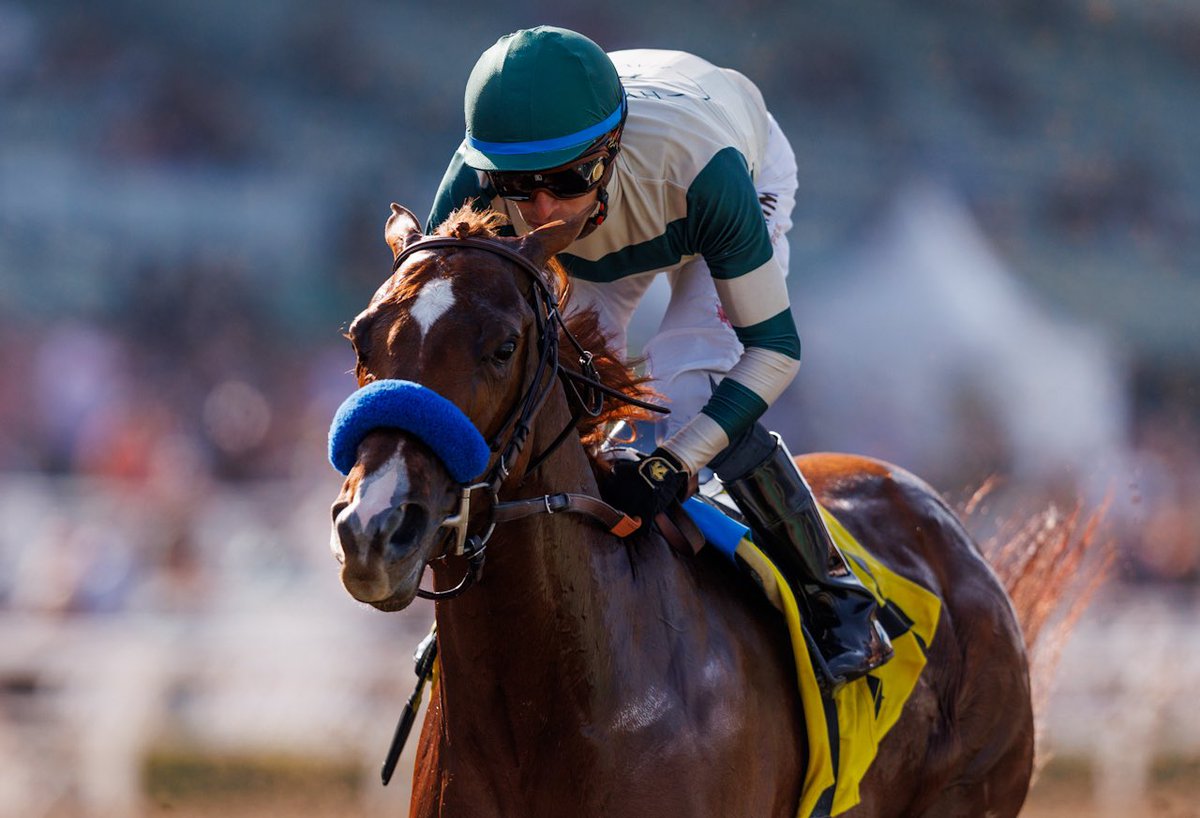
592	675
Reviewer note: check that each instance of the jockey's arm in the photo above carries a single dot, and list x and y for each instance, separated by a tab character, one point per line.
727	227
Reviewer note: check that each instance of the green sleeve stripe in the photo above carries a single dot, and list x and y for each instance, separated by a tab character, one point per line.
458	184
725	220
734	407
657	253
777	333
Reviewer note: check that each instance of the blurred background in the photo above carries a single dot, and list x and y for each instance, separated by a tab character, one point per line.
995	271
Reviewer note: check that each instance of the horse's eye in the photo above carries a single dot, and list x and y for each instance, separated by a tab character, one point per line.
505	351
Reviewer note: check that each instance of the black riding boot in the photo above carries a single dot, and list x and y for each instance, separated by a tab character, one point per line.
787	525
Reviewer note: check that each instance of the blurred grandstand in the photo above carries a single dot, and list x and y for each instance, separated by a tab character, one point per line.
995	271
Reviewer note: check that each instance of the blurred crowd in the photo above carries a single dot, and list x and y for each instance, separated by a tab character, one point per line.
172	352
190	386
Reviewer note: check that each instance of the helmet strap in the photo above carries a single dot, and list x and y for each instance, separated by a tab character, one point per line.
598	215
601	212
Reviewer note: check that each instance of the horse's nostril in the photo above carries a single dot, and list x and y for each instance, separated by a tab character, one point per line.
338	508
412	525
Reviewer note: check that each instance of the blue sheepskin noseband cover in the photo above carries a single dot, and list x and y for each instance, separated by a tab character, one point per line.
416	409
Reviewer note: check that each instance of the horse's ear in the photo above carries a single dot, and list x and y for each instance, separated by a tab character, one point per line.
551	239
402	227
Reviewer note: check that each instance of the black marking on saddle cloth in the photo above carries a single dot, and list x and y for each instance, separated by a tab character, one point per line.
824	805
876	687
897	623
894	620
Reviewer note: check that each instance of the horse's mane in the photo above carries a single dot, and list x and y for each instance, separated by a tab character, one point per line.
583	323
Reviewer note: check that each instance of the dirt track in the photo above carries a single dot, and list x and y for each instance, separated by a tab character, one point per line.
1054	798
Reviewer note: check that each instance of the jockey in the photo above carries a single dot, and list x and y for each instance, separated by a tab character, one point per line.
680	169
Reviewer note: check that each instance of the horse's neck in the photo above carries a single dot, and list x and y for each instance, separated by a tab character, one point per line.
537	628
580	653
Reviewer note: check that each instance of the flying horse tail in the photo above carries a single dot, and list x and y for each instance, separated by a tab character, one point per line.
1051	563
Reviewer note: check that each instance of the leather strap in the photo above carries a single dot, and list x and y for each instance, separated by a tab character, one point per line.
615	521
679	530
676	526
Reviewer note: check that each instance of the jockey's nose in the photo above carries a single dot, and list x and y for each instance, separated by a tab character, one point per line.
543	205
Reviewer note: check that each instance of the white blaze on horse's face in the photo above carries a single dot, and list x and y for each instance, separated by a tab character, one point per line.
435	300
378	493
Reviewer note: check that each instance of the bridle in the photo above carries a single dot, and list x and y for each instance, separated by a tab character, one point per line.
584	386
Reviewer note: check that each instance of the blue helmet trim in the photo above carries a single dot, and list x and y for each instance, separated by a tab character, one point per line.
557	143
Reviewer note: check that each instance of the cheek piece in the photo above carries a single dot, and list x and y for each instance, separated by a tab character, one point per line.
413	408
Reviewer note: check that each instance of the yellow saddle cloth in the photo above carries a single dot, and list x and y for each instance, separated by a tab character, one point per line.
843	736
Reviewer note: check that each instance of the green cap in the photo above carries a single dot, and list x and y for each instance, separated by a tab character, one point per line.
538	98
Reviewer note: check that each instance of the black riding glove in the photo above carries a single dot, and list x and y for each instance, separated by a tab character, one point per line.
646	487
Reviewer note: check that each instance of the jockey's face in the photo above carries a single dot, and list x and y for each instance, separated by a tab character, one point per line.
543	208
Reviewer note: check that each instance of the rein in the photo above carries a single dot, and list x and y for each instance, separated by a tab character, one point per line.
589	393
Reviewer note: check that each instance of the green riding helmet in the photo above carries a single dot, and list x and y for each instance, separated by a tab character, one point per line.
539	98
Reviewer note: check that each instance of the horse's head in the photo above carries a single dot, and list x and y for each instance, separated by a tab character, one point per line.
461	323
